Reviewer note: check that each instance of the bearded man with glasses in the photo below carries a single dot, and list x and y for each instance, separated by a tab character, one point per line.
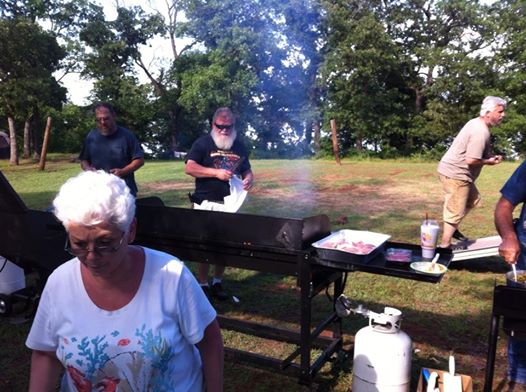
213	160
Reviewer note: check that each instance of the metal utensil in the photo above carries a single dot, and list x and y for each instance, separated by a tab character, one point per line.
514	271
434	262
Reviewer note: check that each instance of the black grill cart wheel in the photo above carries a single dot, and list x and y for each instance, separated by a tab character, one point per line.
6	305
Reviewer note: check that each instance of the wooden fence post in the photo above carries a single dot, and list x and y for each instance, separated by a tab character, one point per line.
335	147
45	144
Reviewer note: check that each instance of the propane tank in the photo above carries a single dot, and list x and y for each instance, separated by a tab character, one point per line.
382	355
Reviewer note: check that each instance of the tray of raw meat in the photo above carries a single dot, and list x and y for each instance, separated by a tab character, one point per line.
351	246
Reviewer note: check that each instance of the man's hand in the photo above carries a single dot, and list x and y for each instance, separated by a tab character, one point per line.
86	166
248	180
247	184
510	250
223	174
134	165
118	172
494	160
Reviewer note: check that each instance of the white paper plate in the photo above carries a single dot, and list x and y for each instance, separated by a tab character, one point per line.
424	267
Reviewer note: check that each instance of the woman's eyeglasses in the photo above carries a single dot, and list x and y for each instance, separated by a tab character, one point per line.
221	126
83	251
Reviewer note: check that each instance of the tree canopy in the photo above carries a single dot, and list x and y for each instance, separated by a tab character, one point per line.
400	77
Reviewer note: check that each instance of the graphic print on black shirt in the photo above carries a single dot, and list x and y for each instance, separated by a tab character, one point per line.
227	160
205	153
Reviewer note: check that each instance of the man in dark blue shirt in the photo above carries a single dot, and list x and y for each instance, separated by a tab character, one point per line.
513	250
112	148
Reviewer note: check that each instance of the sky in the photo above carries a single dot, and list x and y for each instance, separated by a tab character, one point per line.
79	89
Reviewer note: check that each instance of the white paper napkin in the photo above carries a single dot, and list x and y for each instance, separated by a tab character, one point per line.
234	201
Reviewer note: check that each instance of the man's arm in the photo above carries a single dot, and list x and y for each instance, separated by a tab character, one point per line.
212	355
494	160
509	249
45	371
248	179
86	165
194	169
134	165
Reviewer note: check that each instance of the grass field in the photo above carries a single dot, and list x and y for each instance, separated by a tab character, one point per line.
390	197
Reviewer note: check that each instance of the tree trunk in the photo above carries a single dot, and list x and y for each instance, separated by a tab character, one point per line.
13	159
419	101
35	139
335	147
34	144
172	123
359	143
317	136
309	128
27	138
421	92
47	133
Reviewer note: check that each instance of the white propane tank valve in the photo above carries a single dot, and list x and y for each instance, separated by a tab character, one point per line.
382	354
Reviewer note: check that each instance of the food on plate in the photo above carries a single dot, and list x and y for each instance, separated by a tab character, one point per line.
434	268
356	247
428	267
398	255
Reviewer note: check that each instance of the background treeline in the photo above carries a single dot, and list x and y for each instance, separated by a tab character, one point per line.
399	77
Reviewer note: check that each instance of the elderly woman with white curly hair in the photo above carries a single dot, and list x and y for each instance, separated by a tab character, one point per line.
118	316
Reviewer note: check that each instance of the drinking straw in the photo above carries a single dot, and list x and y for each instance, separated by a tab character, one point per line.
427	222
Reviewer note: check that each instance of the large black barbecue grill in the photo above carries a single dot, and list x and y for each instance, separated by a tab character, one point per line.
260	243
30	238
34	240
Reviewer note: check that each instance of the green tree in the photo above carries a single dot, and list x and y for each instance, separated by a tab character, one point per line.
511	57
43	95
69	129
265	58
27	86
364	72
113	61
451	69
421	63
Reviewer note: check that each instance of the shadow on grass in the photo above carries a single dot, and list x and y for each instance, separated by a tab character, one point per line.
274	300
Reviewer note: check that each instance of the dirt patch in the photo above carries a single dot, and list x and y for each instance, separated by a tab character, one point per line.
166	186
389	196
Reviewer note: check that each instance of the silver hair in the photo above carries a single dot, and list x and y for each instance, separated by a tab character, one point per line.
94	197
490	103
224	112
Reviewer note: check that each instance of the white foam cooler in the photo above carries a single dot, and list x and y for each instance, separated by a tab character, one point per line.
12	277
